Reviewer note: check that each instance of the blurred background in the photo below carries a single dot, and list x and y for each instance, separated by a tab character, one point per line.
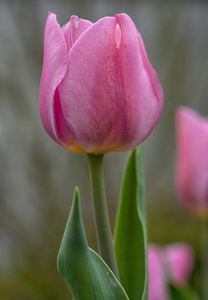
37	176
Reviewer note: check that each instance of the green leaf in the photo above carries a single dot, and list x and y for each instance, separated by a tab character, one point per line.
86	274
182	292
131	230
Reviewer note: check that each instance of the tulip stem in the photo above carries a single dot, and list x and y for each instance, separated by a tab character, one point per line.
102	223
204	259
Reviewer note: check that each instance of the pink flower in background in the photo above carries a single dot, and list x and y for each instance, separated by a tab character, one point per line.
173	263
178	259
157	281
98	91
192	160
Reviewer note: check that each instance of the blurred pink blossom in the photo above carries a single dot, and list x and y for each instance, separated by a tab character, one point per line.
98	91
192	160
157	284
173	263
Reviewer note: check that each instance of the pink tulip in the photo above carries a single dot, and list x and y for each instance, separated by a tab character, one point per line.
157	282
98	91
178	259
173	263
192	160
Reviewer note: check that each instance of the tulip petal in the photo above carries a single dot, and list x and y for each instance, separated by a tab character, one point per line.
65	137
84	92
73	29
157	282
65	31
179	262
77	27
108	97
192	160
54	69
140	82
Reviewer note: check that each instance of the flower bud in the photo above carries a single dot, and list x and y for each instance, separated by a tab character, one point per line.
98	91
169	264
192	160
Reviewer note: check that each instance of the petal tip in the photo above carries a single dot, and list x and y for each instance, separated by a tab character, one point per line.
50	13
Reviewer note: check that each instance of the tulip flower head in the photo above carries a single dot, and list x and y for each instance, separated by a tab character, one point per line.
172	263
178	259
157	282
192	160
98	91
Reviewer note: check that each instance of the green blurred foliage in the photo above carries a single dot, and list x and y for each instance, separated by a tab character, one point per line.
37	177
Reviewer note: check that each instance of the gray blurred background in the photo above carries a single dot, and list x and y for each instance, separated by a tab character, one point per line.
37	176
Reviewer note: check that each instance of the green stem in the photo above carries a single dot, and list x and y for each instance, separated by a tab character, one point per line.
204	259
103	230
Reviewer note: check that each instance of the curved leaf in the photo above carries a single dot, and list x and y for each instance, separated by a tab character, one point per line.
131	230
86	274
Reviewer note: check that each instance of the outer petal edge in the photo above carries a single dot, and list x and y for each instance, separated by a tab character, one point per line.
54	69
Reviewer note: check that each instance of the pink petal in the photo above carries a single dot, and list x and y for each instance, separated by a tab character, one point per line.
179	262
157	284
192	160
65	137
109	99
84	92
73	29
140	81
77	27
65	31
54	69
